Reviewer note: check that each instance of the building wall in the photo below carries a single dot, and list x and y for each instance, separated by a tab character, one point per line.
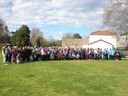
74	43
107	38
101	45
122	42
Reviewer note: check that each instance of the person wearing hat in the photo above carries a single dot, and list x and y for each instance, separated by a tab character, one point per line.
4	53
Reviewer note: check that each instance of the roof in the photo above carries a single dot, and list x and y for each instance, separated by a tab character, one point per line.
99	41
101	32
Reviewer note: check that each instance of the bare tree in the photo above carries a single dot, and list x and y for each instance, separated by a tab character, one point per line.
36	37
116	17
1	27
67	36
4	32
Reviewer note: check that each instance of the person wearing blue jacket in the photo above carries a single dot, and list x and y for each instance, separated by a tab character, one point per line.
113	54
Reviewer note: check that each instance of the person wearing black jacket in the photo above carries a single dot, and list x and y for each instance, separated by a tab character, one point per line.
9	54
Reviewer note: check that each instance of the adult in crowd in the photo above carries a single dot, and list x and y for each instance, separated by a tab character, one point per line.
4	53
9	55
14	54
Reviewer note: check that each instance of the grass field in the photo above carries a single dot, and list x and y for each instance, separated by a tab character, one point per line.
65	78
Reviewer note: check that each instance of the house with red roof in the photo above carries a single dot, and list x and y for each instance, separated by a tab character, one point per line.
102	39
98	39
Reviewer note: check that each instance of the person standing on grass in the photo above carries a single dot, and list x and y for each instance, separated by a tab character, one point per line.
90	54
4	53
14	54
117	55
18	57
27	53
38	54
112	54
9	54
42	54
22	54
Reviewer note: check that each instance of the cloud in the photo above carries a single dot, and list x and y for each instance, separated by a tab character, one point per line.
76	13
57	34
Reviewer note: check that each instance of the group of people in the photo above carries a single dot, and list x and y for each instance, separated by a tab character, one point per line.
29	53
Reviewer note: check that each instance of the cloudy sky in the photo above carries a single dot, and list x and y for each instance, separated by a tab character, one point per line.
54	17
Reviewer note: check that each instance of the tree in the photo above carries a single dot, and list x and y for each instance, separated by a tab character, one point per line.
70	36
52	42
38	41
76	36
67	36
21	37
6	28
37	38
4	32
116	16
1	27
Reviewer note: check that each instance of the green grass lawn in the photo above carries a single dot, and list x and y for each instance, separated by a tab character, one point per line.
65	78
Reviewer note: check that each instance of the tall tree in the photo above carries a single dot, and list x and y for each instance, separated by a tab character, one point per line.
76	36
4	32
37	38
21	37
1	27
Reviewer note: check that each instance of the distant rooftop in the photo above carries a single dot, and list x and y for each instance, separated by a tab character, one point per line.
101	32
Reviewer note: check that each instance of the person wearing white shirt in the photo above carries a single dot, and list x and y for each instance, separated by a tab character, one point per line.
42	53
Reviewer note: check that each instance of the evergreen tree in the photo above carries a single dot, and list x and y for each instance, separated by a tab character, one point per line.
76	36
21	37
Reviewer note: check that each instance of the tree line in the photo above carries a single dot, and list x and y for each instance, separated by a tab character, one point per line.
26	37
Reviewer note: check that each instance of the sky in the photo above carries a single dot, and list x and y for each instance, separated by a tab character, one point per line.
54	17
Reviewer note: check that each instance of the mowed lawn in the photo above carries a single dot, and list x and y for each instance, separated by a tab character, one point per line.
65	78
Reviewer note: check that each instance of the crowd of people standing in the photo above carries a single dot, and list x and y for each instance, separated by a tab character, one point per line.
27	53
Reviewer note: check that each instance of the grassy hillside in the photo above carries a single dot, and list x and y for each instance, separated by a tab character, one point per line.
65	78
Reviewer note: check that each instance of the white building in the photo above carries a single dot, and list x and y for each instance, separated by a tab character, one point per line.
102	39
123	40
